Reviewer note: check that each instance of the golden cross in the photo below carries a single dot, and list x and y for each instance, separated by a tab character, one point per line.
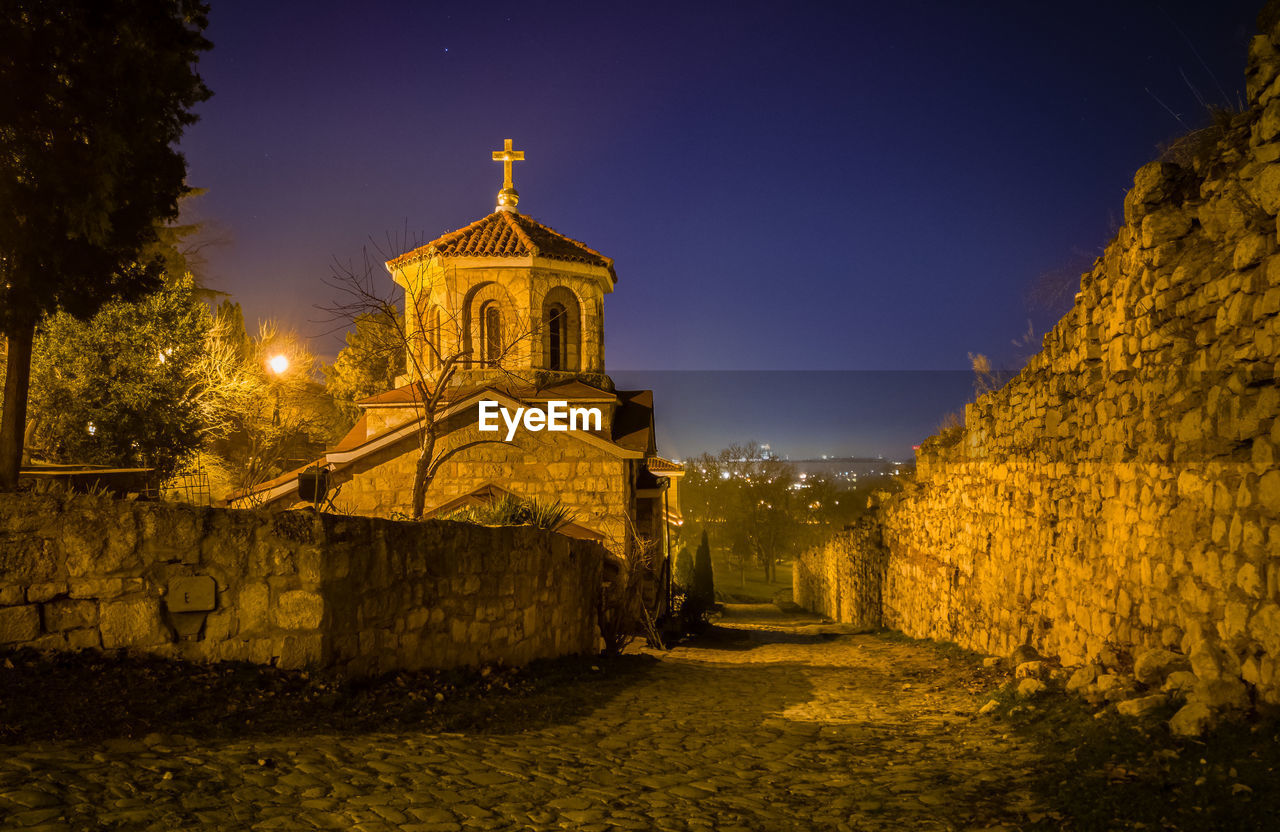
506	156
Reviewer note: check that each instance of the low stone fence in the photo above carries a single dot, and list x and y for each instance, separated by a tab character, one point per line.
294	589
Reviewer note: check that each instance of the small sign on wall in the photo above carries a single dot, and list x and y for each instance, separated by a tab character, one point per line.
190	600
194	594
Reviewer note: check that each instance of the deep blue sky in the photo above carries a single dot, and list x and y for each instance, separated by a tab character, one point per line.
830	186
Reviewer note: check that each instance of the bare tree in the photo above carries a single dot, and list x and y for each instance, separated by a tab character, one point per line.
427	318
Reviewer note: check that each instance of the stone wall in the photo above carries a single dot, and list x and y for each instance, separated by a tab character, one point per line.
292	589
842	579
593	483
1122	492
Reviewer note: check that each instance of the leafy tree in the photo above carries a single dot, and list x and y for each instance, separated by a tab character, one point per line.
93	96
122	388
371	360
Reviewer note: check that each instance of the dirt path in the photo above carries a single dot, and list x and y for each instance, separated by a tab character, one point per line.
771	722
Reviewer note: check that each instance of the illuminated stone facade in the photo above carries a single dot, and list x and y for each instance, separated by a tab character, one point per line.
1122	492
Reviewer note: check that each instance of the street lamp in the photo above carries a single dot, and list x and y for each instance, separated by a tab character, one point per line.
277	364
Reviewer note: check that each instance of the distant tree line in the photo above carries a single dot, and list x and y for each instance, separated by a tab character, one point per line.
758	510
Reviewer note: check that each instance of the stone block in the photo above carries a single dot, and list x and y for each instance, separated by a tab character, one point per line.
70	615
1113	687
49	643
100	588
132	622
1029	688
39	593
301	651
1220	694
83	639
1031	670
1207	660
1143	705
298	609
1192	720
1249	251
11	594
220	625
27	558
1163	225
1152	666
81	541
263	650
1082	678
252	603
19	624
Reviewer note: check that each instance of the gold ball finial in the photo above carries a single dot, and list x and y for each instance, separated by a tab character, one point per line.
508	199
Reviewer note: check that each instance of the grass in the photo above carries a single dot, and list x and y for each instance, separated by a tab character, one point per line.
731	587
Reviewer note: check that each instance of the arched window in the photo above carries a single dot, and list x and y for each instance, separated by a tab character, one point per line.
561	337
558	346
491	334
433	337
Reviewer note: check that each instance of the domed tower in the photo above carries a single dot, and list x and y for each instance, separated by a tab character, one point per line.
505	296
512	313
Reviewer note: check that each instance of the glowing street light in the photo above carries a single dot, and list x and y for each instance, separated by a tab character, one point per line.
277	364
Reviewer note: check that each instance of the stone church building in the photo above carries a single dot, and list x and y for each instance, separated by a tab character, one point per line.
510	311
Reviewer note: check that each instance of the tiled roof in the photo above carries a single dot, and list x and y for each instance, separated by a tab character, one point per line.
355	437
507	234
571	390
657	464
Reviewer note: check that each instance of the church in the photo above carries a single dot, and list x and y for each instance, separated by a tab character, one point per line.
507	311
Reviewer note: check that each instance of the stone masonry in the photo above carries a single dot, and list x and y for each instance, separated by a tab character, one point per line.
294	589
1121	494
595	485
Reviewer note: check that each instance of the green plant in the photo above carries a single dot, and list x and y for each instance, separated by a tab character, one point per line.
701	597
684	569
513	511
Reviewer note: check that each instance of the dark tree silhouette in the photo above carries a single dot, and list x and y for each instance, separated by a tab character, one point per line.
704	586
93	96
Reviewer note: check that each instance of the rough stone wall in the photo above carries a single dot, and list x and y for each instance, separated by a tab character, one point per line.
591	482
1122	492
293	589
842	579
442	594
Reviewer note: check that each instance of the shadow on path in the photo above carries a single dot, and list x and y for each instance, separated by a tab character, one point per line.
89	697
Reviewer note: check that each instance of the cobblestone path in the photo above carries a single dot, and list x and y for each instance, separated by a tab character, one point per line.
774	722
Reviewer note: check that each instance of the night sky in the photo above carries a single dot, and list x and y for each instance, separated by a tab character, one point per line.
832	186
